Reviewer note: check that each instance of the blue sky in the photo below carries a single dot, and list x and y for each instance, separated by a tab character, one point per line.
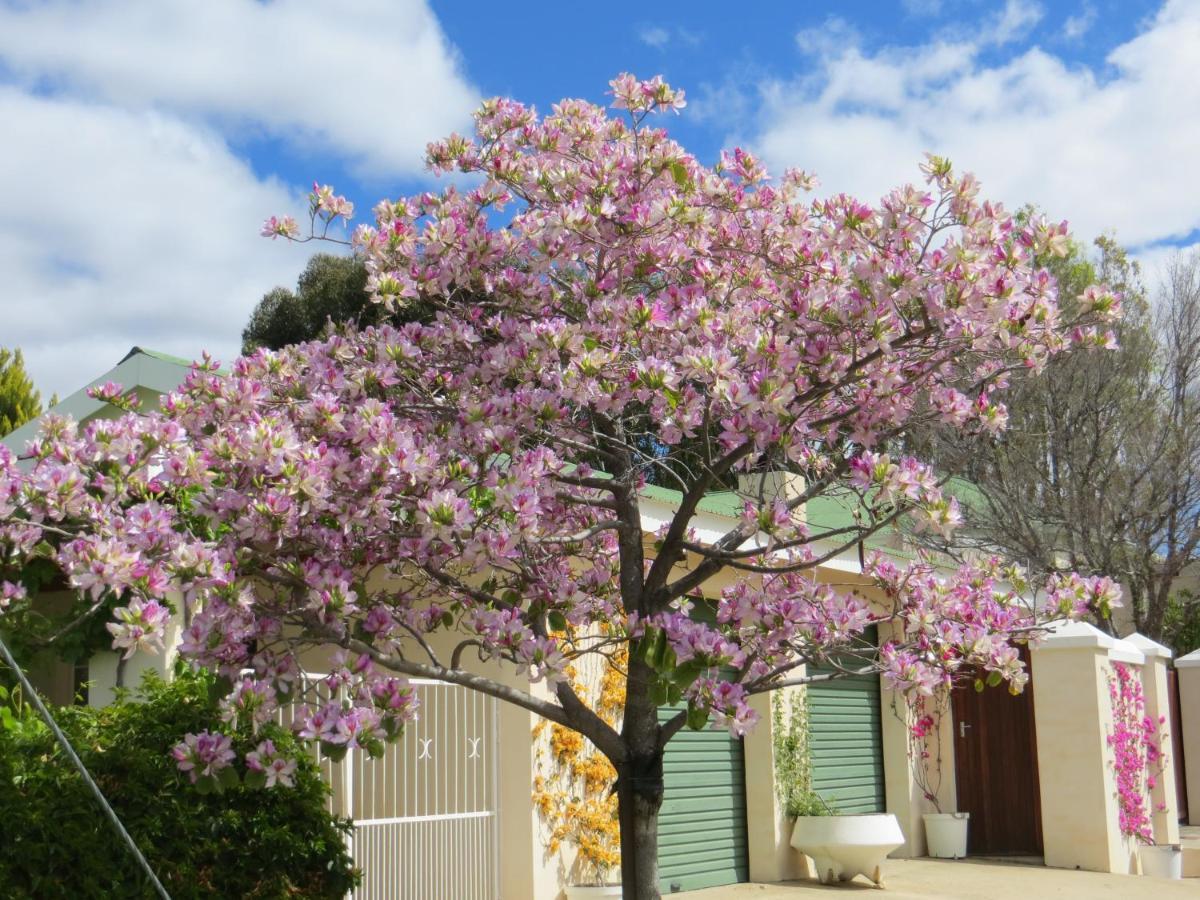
145	149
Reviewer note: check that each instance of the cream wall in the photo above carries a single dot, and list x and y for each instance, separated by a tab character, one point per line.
768	828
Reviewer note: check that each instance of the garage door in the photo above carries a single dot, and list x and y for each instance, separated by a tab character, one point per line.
702	824
846	740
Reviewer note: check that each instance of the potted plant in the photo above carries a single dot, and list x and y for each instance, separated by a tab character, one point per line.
945	832
841	846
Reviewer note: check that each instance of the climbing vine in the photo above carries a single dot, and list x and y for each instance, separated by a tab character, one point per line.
924	716
793	756
573	780
1137	756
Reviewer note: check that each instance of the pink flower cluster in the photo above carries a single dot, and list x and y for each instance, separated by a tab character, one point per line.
204	754
277	768
1136	746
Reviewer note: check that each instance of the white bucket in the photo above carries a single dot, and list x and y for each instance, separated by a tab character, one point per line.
946	834
1162	861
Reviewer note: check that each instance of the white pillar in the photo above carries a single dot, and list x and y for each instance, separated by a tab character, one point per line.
1073	717
1164	799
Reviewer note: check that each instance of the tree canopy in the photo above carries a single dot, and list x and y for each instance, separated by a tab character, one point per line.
597	300
20	402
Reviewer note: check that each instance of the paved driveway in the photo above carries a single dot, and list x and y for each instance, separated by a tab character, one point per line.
968	879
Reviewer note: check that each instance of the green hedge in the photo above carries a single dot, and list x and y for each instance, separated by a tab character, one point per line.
243	843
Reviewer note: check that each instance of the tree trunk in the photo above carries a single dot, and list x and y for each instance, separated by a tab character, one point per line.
1156	609
639	788
639	797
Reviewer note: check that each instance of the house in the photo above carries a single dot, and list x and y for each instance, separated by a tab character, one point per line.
448	812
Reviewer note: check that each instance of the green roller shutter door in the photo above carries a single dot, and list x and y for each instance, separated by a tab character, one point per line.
847	743
702	824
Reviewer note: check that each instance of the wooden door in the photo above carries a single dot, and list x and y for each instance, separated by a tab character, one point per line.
1175	726
995	769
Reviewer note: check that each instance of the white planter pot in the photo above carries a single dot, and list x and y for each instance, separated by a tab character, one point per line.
591	891
1162	861
845	846
946	834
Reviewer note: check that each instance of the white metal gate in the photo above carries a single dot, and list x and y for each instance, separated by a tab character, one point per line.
425	814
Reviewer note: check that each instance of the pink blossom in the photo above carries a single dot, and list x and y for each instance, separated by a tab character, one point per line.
203	754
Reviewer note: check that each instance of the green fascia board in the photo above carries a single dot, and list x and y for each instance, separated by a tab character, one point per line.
823	513
147	373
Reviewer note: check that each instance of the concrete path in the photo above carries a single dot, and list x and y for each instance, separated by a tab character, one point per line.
968	879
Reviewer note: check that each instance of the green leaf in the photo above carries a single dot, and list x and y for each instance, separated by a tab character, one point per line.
229	778
979	685
660	651
206	784
558	622
335	752
680	173
687	673
219	688
256	781
994	678
697	717
674	694
658	693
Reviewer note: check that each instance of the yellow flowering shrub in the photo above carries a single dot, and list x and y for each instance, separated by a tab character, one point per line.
573	788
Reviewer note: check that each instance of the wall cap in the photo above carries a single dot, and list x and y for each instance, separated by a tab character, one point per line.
1192	659
1150	647
1066	635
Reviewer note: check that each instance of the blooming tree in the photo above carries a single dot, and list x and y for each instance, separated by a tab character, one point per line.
605	307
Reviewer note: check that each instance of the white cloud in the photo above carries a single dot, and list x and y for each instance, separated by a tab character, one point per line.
1079	24
827	38
655	36
1014	21
127	228
1117	152
373	80
658	37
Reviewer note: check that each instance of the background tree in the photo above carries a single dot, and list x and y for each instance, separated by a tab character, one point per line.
331	292
1099	468
19	400
474	477
331	288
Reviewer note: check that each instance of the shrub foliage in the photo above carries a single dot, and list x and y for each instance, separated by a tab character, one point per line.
242	843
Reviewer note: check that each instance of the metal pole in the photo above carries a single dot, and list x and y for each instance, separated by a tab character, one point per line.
78	763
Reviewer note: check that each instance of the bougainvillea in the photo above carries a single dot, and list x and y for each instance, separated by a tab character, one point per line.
602	305
1136	746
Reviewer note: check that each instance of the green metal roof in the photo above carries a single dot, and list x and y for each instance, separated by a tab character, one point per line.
147	372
